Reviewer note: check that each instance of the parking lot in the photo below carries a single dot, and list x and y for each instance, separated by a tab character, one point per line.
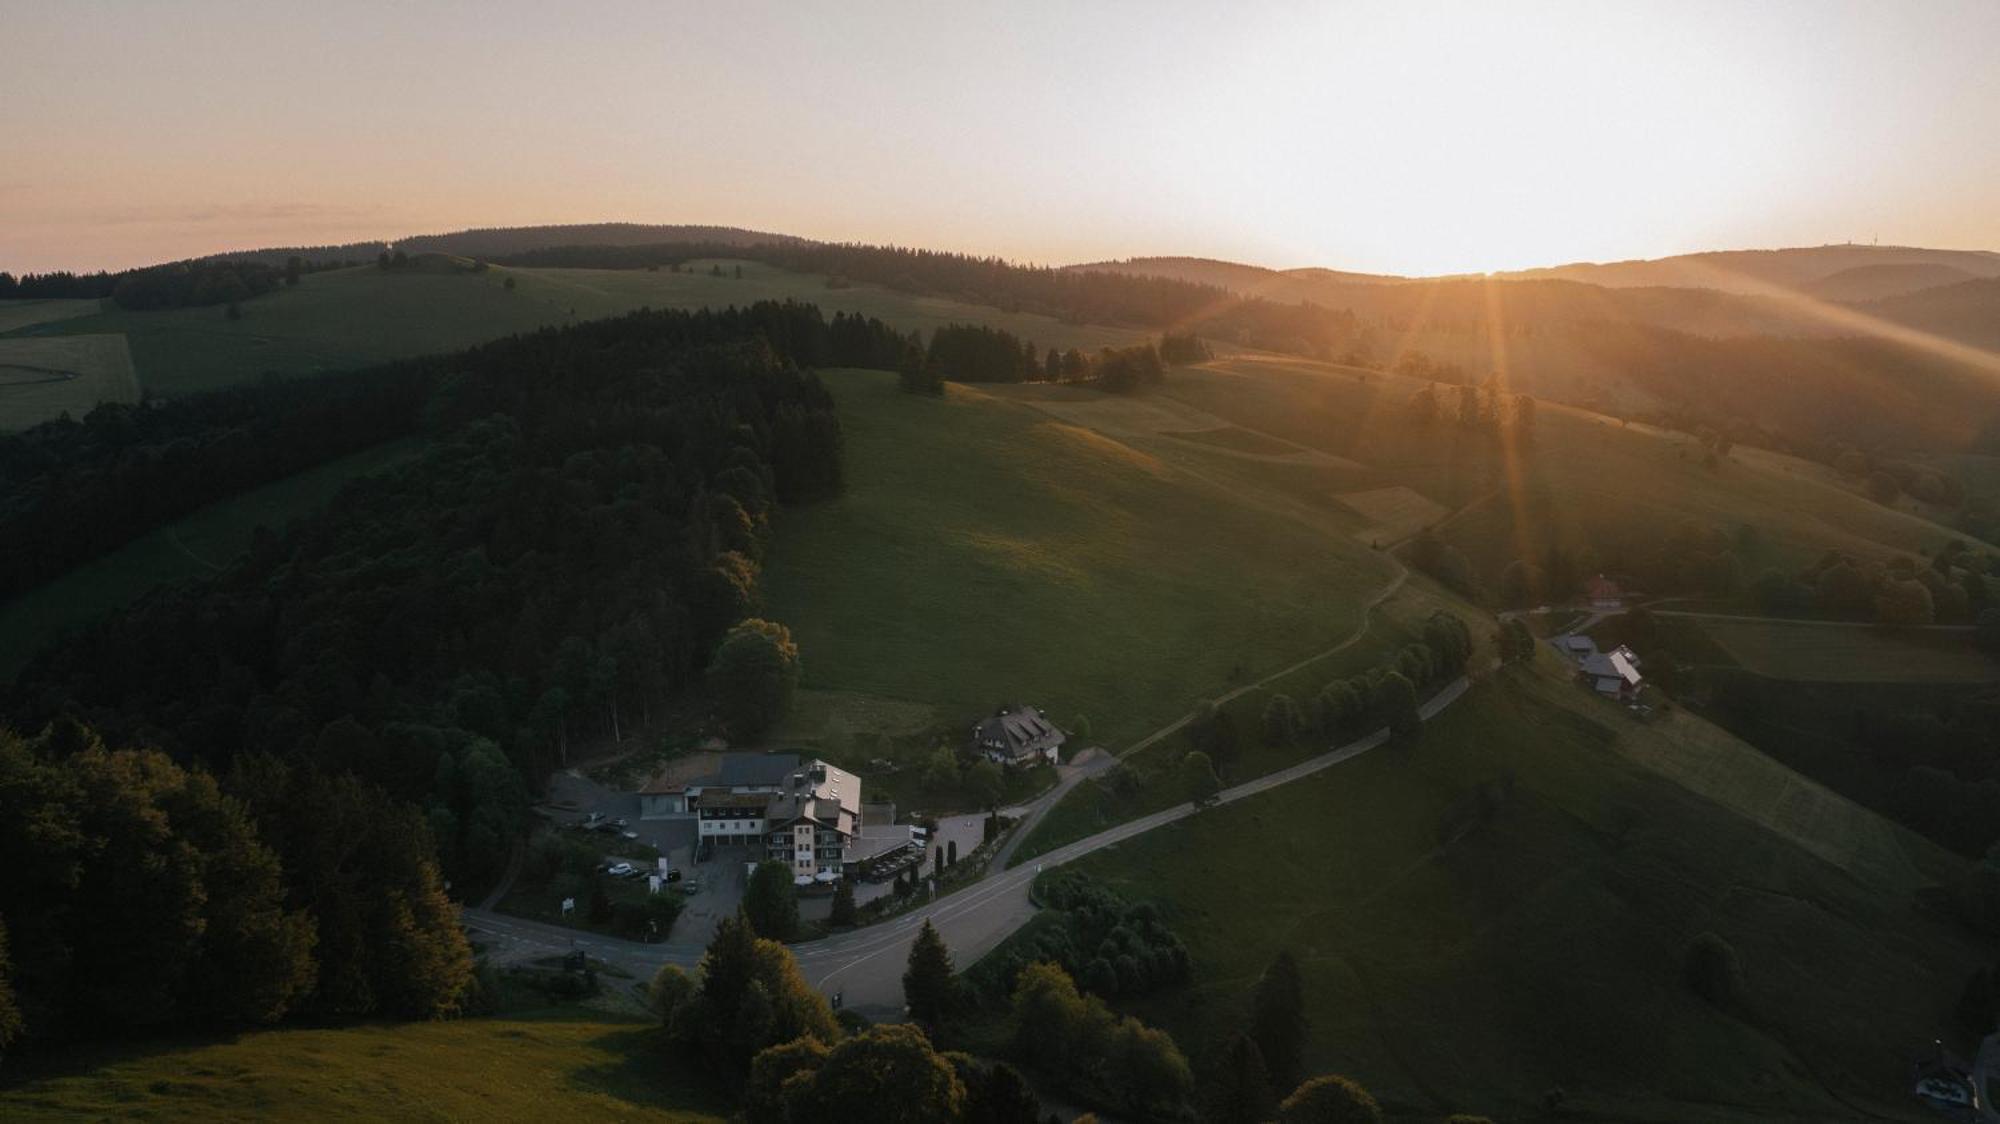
573	799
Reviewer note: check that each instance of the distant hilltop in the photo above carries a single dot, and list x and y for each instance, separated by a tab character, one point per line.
1845	272
493	242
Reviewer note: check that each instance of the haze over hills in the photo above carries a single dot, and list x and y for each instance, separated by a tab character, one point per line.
1842	273
1765	272
1269	564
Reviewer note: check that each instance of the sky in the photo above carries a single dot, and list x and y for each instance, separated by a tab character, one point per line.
1403	137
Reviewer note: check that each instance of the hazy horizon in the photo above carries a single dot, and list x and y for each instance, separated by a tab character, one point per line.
1410	139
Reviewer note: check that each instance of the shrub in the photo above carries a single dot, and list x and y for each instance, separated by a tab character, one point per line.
1713	971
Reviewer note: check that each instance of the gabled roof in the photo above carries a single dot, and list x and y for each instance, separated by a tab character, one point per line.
1019	728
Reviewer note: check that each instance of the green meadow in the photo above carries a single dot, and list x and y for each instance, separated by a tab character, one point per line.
985	552
567	1064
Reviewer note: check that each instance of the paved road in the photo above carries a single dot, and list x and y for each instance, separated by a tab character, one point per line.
1087	764
867	965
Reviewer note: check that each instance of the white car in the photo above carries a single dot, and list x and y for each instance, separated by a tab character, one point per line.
620	870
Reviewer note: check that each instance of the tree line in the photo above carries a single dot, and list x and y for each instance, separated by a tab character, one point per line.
136	893
977	353
747	1016
403	667
184	284
72	490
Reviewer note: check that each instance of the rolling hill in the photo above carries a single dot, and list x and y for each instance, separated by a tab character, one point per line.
1875	282
490	242
1472	968
443	304
1760	272
1968	312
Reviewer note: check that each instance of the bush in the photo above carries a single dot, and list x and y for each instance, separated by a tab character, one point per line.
1330	1100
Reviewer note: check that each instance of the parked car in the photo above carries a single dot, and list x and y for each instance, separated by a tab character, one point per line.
629	834
620	870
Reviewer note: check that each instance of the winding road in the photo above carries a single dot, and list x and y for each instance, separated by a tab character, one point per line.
866	966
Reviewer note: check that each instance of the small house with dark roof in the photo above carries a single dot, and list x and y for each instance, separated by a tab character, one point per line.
1604	593
1018	735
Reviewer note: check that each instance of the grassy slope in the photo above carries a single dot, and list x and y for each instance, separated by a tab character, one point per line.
42	379
1586	481
984	552
20	314
1544	949
354	317
199	544
1816	653
557	1067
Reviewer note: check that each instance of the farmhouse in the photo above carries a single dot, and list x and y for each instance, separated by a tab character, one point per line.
1613	674
1018	735
804	813
1604	593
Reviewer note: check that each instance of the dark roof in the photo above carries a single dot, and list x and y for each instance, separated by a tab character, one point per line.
750	769
1022	729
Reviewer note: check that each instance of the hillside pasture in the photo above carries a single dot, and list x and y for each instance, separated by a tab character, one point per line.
1469	968
565	1065
346	318
1827	653
42	379
984	553
1393	514
23	314
1586	484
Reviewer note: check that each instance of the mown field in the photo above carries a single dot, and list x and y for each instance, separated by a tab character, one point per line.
570	1064
1831	654
200	544
1543	949
355	317
985	552
42	379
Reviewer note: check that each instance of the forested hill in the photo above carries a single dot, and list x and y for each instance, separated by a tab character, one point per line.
494	242
404	667
1075	296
